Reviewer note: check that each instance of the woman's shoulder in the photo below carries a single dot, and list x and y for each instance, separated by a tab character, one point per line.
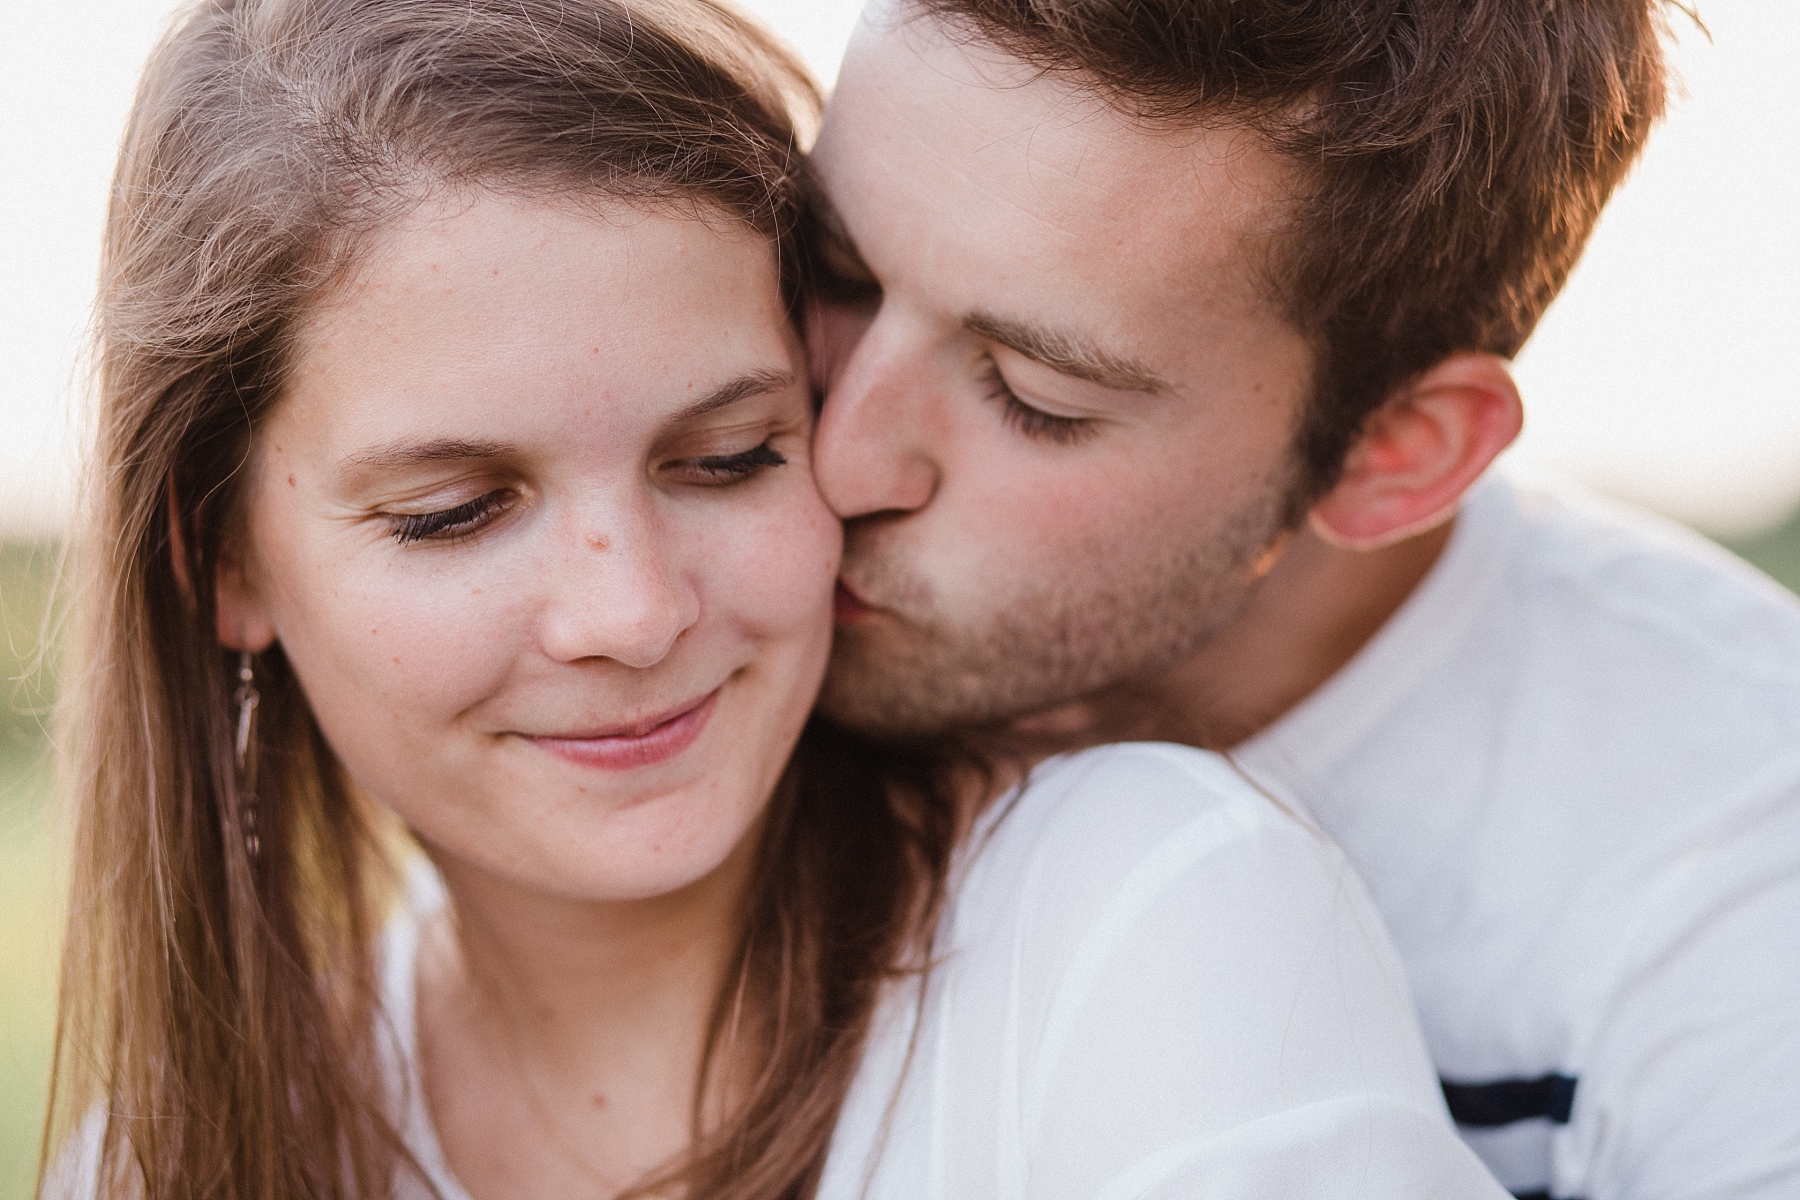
1147	955
74	1171
1141	824
1105	809
1164	781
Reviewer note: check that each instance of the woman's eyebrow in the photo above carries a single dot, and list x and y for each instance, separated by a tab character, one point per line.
750	383
411	452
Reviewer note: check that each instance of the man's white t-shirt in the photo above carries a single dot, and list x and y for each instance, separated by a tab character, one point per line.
1150	983
1569	770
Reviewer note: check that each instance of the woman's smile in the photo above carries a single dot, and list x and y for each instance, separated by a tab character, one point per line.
645	743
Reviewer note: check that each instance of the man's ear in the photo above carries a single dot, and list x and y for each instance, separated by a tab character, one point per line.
244	621
1420	451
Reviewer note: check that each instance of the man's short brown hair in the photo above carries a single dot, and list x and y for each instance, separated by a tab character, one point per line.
1457	153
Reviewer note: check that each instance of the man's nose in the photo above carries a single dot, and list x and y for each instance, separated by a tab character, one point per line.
621	594
833	330
873	452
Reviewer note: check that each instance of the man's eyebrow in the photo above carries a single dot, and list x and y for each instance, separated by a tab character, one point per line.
751	383
408	452
1065	353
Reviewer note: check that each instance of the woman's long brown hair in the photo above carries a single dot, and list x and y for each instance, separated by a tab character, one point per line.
218	1031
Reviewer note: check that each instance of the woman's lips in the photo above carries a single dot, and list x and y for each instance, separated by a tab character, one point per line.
643	745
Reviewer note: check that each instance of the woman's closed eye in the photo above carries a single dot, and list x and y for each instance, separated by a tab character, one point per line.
714	470
449	524
462	520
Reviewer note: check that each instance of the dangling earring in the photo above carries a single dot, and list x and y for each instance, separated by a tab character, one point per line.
247	699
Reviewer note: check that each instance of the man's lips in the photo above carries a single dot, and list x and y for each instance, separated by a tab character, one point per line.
640	744
849	607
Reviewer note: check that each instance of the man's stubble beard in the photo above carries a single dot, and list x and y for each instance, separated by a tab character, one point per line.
917	673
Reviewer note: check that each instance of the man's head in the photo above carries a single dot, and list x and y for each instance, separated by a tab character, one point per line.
1159	280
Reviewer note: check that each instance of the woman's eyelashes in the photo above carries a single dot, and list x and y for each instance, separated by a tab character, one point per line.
715	469
1033	422
448	524
454	524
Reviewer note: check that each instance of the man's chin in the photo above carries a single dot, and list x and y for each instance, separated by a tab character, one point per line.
902	692
892	692
867	701
902	709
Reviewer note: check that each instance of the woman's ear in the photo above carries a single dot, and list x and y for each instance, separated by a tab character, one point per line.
1419	452
178	553
244	621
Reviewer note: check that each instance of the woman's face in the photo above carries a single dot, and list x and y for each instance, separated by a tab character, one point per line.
535	524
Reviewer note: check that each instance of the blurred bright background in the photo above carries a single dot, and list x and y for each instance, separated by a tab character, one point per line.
1662	376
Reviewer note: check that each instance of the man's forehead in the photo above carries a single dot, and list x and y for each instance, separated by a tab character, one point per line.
937	146
924	88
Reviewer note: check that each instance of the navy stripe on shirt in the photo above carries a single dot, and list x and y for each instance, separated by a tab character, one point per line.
1490	1105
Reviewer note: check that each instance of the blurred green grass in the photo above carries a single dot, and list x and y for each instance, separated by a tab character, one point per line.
1775	552
32	862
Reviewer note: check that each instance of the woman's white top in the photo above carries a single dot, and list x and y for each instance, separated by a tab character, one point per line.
1149	982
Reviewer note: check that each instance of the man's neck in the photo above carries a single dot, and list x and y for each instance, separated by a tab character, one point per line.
1317	606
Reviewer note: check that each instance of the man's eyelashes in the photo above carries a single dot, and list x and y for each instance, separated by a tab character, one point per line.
1034	423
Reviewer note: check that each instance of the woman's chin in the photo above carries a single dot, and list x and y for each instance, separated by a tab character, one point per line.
648	846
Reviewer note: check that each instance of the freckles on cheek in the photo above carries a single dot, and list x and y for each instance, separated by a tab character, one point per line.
378	647
779	574
456	633
411	652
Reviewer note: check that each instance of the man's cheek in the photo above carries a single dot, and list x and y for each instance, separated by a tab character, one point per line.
1077	519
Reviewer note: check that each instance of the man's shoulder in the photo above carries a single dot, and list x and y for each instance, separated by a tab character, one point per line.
1580	699
1627	576
1563	645
1615	661
1570	771
1611	745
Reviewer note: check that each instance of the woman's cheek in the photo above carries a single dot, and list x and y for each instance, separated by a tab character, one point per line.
392	657
788	565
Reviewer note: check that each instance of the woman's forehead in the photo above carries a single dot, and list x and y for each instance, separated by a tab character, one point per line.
517	310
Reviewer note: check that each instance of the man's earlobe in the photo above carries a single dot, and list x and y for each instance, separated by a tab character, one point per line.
243	621
1419	452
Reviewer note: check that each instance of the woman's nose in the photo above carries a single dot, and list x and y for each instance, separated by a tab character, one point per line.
622	595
